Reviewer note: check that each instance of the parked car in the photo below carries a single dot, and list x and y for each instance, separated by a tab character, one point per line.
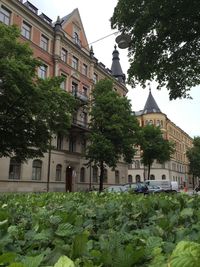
115	189
137	188
155	189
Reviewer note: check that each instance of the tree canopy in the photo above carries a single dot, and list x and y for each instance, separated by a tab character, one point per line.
31	108
154	146
193	155
165	42
113	128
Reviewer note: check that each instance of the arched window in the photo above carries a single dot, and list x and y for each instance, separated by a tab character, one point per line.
82	175
158	123
146	122
105	176
14	169
130	178
58	172
150	122
137	178
163	177
95	174
37	169
117	177
137	164
152	177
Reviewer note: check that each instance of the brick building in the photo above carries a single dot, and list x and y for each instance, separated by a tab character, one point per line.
63	49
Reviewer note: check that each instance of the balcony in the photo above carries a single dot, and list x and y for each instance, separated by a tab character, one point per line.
79	95
80	125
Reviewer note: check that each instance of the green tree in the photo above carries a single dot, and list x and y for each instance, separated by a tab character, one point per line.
113	128
31	109
154	146
193	155
165	42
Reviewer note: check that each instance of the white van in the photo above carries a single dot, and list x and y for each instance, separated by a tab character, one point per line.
164	184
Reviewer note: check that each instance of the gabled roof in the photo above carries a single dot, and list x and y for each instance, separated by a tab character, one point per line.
71	20
151	105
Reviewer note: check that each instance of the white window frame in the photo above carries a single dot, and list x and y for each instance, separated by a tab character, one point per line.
43	71
26	30
5	15
63	55
75	63
44	42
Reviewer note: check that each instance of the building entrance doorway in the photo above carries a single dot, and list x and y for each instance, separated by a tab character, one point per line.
68	182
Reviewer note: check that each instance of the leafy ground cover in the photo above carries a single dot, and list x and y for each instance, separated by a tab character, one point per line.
90	230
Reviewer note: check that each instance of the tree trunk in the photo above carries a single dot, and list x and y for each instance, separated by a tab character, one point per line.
148	174
49	165
101	177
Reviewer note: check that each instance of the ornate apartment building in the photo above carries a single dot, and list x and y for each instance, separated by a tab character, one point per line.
177	168
63	48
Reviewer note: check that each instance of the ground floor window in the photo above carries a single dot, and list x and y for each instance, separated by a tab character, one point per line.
58	172
37	170
137	178
14	169
130	178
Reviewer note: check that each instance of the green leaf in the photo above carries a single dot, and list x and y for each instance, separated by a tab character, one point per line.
16	264
64	261
187	212
186	254
64	229
33	261
7	257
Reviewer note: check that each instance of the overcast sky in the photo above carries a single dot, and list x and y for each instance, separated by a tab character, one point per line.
95	17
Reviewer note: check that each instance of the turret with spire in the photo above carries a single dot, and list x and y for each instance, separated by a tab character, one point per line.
116	67
151	105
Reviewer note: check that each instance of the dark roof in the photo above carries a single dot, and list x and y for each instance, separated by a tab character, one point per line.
116	67
151	105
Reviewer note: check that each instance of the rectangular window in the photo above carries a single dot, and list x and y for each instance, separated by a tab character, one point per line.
85	91
42	72
63	55
95	78
59	142
26	30
44	43
64	83
5	15
85	69
72	144
75	63
74	88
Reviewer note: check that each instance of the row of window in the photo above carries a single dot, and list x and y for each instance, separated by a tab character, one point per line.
157	123
138	178
26	29
15	172
138	164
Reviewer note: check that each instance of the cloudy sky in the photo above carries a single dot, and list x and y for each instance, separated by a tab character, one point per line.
95	17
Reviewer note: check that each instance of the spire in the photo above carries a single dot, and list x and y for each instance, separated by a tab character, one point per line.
151	105
116	67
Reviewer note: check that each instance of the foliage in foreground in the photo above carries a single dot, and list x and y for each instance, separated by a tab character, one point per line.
90	230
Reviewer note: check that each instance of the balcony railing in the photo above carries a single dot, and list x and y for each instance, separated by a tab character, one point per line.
83	97
80	123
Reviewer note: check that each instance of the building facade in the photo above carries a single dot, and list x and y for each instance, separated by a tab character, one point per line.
63	49
177	169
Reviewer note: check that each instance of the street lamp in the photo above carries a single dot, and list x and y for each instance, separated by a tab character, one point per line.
123	40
